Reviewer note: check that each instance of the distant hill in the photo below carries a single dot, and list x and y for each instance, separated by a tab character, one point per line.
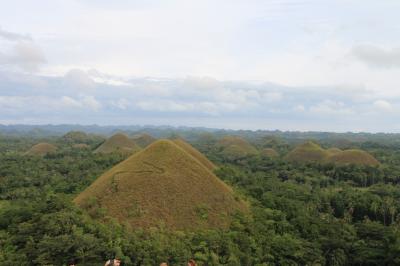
80	146
269	152
307	152
333	151
233	147
118	143
353	156
75	137
41	149
162	184
143	140
195	153
312	152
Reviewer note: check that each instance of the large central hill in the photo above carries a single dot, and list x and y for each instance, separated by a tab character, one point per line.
163	184
118	143
195	153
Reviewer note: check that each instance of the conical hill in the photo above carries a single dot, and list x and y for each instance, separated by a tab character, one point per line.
195	153
307	152
143	140
162	184
41	149
118	143
234	147
353	156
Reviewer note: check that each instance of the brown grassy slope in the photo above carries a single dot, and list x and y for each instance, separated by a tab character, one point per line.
307	152
41	149
118	143
269	152
195	153
333	151
234	147
143	140
354	156
163	184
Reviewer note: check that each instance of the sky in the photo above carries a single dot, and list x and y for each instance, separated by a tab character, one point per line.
241	64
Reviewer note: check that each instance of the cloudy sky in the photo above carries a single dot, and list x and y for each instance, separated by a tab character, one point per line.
253	64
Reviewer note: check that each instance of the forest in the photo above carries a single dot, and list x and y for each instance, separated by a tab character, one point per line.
301	213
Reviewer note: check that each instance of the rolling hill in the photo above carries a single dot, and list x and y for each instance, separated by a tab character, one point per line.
162	184
233	147
312	152
118	143
143	140
269	152
41	149
307	152
353	156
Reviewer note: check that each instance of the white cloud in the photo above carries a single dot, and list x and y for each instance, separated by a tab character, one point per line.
382	105
329	107
376	56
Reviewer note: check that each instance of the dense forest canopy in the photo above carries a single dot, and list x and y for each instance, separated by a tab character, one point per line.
302	213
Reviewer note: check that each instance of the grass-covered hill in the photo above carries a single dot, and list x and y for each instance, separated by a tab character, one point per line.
307	152
195	153
234	147
333	151
41	149
312	152
143	140
162	184
353	156
76	137
120	143
269	152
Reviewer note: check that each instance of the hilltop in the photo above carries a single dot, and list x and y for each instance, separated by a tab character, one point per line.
118	143
307	152
195	153
76	137
41	149
269	152
312	152
143	140
233	147
353	156
162	184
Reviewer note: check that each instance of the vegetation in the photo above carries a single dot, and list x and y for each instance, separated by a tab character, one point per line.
298	213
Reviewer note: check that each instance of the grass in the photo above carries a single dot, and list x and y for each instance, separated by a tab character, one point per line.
143	140
163	184
269	152
195	153
118	143
307	152
233	147
41	149
353	156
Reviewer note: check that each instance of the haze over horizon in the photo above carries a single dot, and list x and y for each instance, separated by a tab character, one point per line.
288	65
